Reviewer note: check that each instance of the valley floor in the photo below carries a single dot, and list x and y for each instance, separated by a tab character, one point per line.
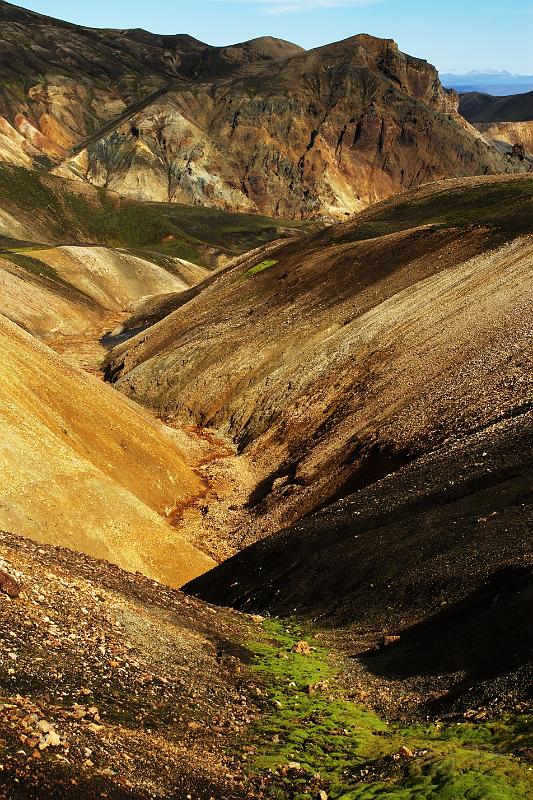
215	519
114	686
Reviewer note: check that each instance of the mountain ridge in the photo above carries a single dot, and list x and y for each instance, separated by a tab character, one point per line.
478	107
260	127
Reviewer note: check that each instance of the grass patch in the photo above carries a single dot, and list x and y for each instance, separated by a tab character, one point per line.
271	262
352	754
193	233
42	270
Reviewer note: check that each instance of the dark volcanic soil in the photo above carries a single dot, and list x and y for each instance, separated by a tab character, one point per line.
439	553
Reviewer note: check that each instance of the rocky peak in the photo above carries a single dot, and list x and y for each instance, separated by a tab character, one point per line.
259	126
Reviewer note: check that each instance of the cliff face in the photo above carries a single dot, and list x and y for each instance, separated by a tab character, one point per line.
258	126
324	132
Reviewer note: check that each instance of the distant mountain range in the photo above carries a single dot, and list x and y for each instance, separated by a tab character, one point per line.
488	81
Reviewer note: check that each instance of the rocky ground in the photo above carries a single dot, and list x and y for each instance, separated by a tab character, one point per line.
112	685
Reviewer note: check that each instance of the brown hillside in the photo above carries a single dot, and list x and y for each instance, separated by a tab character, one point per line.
335	359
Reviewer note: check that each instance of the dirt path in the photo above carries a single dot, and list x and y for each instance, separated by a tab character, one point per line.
214	520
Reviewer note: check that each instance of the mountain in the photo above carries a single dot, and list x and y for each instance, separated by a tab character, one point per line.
476	107
326	427
389	411
74	264
260	126
369	354
507	121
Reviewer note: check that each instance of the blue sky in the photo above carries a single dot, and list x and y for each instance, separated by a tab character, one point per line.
452	34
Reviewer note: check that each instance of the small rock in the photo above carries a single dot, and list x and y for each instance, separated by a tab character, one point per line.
406	752
51	739
32	742
43	726
9	585
319	686
94	728
388	640
302	648
322	795
79	711
194	726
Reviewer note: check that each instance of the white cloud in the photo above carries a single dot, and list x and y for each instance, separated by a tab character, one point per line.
297	6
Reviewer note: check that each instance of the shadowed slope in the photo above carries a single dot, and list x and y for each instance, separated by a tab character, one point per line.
42	208
440	552
476	107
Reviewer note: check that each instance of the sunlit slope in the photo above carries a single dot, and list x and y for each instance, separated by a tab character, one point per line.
84	468
68	290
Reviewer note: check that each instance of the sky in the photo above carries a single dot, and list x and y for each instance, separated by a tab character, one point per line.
455	35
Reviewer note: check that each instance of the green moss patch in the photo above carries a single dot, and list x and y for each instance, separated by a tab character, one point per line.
346	750
269	262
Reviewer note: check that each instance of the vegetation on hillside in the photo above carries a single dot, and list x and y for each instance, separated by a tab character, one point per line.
314	739
504	206
71	214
